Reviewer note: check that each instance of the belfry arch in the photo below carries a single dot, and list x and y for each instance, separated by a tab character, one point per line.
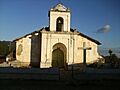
59	24
59	55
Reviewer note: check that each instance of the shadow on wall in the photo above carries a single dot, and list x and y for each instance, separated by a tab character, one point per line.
35	50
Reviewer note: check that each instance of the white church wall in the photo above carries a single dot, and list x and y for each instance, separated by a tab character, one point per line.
23	53
55	15
19	50
48	41
43	52
91	55
77	53
27	49
72	42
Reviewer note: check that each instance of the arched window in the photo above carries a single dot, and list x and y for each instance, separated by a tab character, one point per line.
59	24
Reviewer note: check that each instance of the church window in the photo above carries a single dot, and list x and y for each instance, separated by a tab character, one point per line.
59	24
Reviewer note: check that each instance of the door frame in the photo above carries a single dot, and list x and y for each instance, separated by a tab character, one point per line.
63	48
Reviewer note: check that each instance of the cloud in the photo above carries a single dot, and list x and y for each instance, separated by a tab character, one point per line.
105	29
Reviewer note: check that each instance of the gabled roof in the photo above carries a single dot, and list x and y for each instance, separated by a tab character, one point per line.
89	38
72	30
60	7
85	36
44	28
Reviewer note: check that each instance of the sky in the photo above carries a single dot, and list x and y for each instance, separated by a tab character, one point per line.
20	17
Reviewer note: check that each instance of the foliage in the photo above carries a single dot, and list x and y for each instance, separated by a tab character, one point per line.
6	47
111	61
110	52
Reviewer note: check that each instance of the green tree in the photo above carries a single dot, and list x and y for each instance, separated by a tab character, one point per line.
4	48
110	52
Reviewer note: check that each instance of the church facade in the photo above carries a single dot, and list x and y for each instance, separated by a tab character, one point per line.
57	45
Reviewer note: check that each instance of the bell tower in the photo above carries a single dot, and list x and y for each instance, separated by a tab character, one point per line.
59	18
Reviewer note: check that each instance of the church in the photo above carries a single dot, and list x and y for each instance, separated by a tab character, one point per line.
57	45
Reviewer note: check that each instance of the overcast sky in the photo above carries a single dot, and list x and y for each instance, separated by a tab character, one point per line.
91	17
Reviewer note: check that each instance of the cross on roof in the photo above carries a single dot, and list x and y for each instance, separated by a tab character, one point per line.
84	48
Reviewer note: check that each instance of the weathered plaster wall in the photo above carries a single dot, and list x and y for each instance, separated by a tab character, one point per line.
23	50
91	55
72	42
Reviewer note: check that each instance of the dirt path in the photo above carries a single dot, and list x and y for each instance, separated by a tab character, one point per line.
59	85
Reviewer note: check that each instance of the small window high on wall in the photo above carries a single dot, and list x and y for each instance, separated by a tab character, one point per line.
59	24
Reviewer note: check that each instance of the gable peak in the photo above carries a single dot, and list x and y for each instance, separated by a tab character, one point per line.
60	7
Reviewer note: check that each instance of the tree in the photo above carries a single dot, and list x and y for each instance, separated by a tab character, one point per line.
4	48
112	60
110	52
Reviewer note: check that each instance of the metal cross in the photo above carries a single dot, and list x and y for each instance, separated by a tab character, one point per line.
84	48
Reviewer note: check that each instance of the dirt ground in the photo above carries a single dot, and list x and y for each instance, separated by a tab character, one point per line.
59	85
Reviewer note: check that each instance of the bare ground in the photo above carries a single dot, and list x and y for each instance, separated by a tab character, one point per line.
19	84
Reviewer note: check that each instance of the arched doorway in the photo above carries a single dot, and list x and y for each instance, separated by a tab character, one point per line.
59	56
59	24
